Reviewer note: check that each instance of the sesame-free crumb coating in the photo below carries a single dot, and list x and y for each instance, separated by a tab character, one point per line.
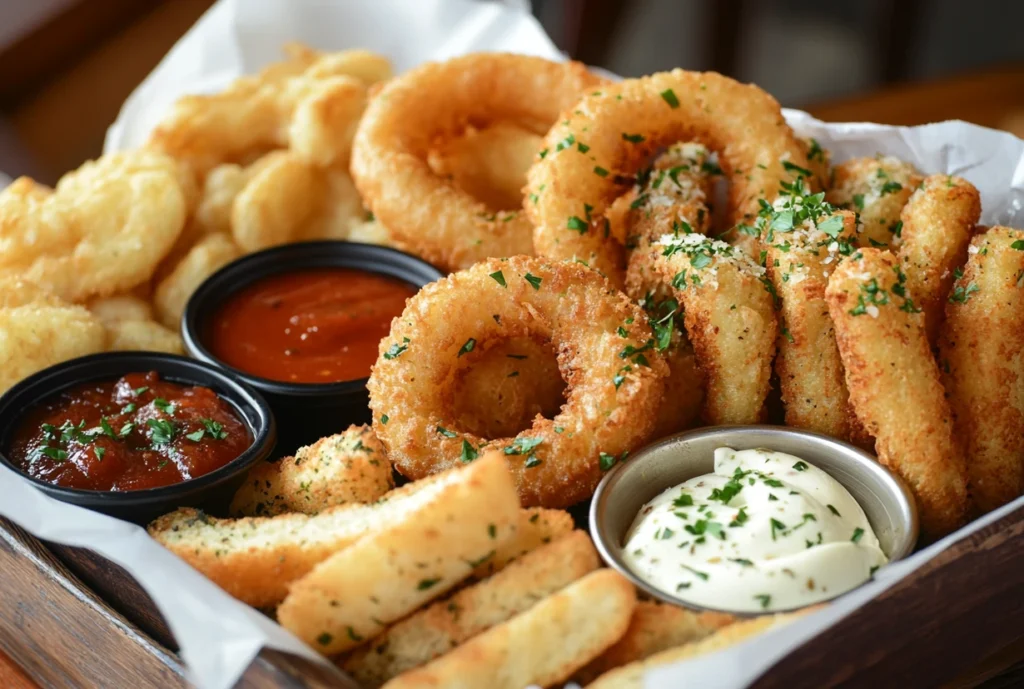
894	384
876	189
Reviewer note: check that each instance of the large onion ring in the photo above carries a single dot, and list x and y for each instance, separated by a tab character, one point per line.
606	355
617	129
424	212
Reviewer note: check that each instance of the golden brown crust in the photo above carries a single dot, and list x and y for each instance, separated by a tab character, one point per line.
622	126
417	556
615	381
938	222
435	630
654	627
349	467
894	384
543	645
431	216
876	189
981	350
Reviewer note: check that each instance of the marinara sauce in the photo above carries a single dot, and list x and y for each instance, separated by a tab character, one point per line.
315	326
136	432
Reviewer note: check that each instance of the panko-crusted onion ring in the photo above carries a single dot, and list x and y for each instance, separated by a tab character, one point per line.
605	352
620	127
428	214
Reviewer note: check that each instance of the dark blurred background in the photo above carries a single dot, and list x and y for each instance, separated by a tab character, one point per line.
66	65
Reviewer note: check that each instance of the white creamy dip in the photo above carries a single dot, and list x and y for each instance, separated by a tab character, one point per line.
767	531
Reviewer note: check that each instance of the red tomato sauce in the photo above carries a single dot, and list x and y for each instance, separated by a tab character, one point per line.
314	326
133	433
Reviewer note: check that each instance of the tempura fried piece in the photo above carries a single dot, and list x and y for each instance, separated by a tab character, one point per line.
325	119
653	628
982	353
632	676
349	467
938	222
543	645
800	259
894	384
129	322
202	261
387	574
435	630
38	330
101	231
877	189
277	203
729	318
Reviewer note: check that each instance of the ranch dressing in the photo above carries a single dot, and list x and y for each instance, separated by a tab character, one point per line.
767	531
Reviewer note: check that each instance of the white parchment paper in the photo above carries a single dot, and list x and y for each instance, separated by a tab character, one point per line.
220	636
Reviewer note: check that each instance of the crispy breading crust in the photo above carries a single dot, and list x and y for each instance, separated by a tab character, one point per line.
543	645
894	384
808	365
387	574
730	319
632	676
349	467
654	627
433	217
877	189
982	354
536	527
615	381
435	630
938	222
621	126
205	258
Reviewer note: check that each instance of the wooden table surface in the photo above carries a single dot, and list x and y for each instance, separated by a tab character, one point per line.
994	98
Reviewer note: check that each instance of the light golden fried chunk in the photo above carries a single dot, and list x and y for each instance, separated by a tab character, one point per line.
543	645
355	593
435	630
876	189
536	527
938	222
350	467
277	203
730	319
632	676
819	162
325	120
981	349
102	230
894	384
654	627
146	336
810	371
38	330
203	260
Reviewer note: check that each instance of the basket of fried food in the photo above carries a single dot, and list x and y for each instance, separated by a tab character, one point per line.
627	260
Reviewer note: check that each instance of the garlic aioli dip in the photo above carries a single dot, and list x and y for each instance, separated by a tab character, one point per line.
767	531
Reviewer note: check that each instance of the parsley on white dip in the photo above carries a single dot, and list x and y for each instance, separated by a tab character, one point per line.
767	531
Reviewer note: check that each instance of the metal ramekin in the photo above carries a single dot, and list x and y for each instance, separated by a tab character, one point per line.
886	500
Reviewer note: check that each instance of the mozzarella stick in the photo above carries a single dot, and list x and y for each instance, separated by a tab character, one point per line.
938	222
981	348
809	368
894	384
543	645
730	319
876	189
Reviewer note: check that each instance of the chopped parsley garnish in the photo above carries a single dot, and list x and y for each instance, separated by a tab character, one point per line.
54	453
426	584
523	445
325	638
857	533
533	280
740	519
600	171
765	600
498	277
890	188
162	431
446	433
384	418
800	466
777	526
1018	245
858	201
140	391
669	97
469	453
606	461
833	510
792	167
577	224
684	500
664	534
961	294
727	492
163	405
214	429
352	635
703	576
196	436
633	138
99	452
532	462
396	350
774	483
467	348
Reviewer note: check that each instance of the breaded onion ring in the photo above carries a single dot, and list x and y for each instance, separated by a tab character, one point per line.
426	213
894	384
606	354
610	134
938	222
981	347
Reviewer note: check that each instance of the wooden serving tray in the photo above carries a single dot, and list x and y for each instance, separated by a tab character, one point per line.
72	619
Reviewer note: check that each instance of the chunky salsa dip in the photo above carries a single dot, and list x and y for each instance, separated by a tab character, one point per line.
136	432
312	326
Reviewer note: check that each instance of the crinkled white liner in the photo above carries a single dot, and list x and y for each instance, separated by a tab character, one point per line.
220	636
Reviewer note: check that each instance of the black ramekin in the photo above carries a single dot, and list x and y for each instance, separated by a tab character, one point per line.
305	412
211	491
